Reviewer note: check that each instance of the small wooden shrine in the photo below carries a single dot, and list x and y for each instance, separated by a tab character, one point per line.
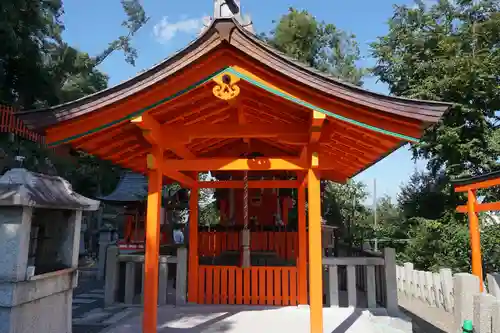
230	104
130	194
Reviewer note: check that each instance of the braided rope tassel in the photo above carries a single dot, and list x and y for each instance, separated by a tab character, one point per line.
245	200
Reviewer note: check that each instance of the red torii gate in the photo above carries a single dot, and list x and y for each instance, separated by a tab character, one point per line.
471	185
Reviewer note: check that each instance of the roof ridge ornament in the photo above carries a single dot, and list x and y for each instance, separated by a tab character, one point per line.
229	9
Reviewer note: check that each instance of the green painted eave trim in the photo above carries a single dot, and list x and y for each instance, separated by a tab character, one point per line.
315	108
250	80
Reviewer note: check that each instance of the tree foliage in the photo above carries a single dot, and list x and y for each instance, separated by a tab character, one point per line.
39	69
448	52
343	206
320	45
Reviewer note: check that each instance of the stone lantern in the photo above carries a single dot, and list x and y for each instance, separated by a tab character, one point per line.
40	221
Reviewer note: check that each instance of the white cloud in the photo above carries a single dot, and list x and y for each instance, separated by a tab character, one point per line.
165	30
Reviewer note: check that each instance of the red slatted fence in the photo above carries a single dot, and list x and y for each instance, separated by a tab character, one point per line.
9	123
284	243
250	286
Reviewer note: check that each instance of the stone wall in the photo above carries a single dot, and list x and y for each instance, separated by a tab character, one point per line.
446	300
29	306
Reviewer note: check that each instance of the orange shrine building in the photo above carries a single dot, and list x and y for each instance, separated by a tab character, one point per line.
260	123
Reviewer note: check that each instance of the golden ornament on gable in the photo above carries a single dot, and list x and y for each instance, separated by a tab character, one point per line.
226	87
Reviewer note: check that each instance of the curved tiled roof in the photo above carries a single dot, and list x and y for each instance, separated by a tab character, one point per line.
132	187
20	187
224	32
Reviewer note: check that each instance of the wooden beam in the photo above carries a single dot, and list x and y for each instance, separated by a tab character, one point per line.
154	164
129	157
317	121
315	127
123	152
338	163
179	177
478	185
99	138
251	184
480	207
153	133
224	131
235	164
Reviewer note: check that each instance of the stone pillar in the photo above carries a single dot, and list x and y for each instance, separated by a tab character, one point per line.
15	227
105	239
484	306
70	245
181	276
112	275
465	286
83	250
494	284
391	281
245	244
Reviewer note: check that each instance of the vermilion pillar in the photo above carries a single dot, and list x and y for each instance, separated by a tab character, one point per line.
152	251
193	247
302	235
475	238
315	256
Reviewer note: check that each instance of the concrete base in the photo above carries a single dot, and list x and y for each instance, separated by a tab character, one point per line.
250	319
40	316
43	304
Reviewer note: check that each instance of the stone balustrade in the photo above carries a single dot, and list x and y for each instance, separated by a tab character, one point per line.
363	282
446	300
124	280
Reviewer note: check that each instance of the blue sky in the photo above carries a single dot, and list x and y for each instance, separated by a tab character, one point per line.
91	24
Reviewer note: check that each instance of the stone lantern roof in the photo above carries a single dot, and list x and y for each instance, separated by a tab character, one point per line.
20	187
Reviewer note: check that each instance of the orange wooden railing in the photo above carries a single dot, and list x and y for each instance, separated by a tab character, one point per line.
254	285
284	243
9	123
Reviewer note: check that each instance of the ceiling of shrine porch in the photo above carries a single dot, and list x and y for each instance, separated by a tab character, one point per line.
200	125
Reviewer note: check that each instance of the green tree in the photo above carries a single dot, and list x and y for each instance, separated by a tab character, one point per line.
426	195
320	45
448	52
334	52
343	206
209	214
38	69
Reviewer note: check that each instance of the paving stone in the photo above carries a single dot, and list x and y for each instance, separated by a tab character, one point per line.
91	317
97	291
75	307
88	328
119	316
91	296
83	301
